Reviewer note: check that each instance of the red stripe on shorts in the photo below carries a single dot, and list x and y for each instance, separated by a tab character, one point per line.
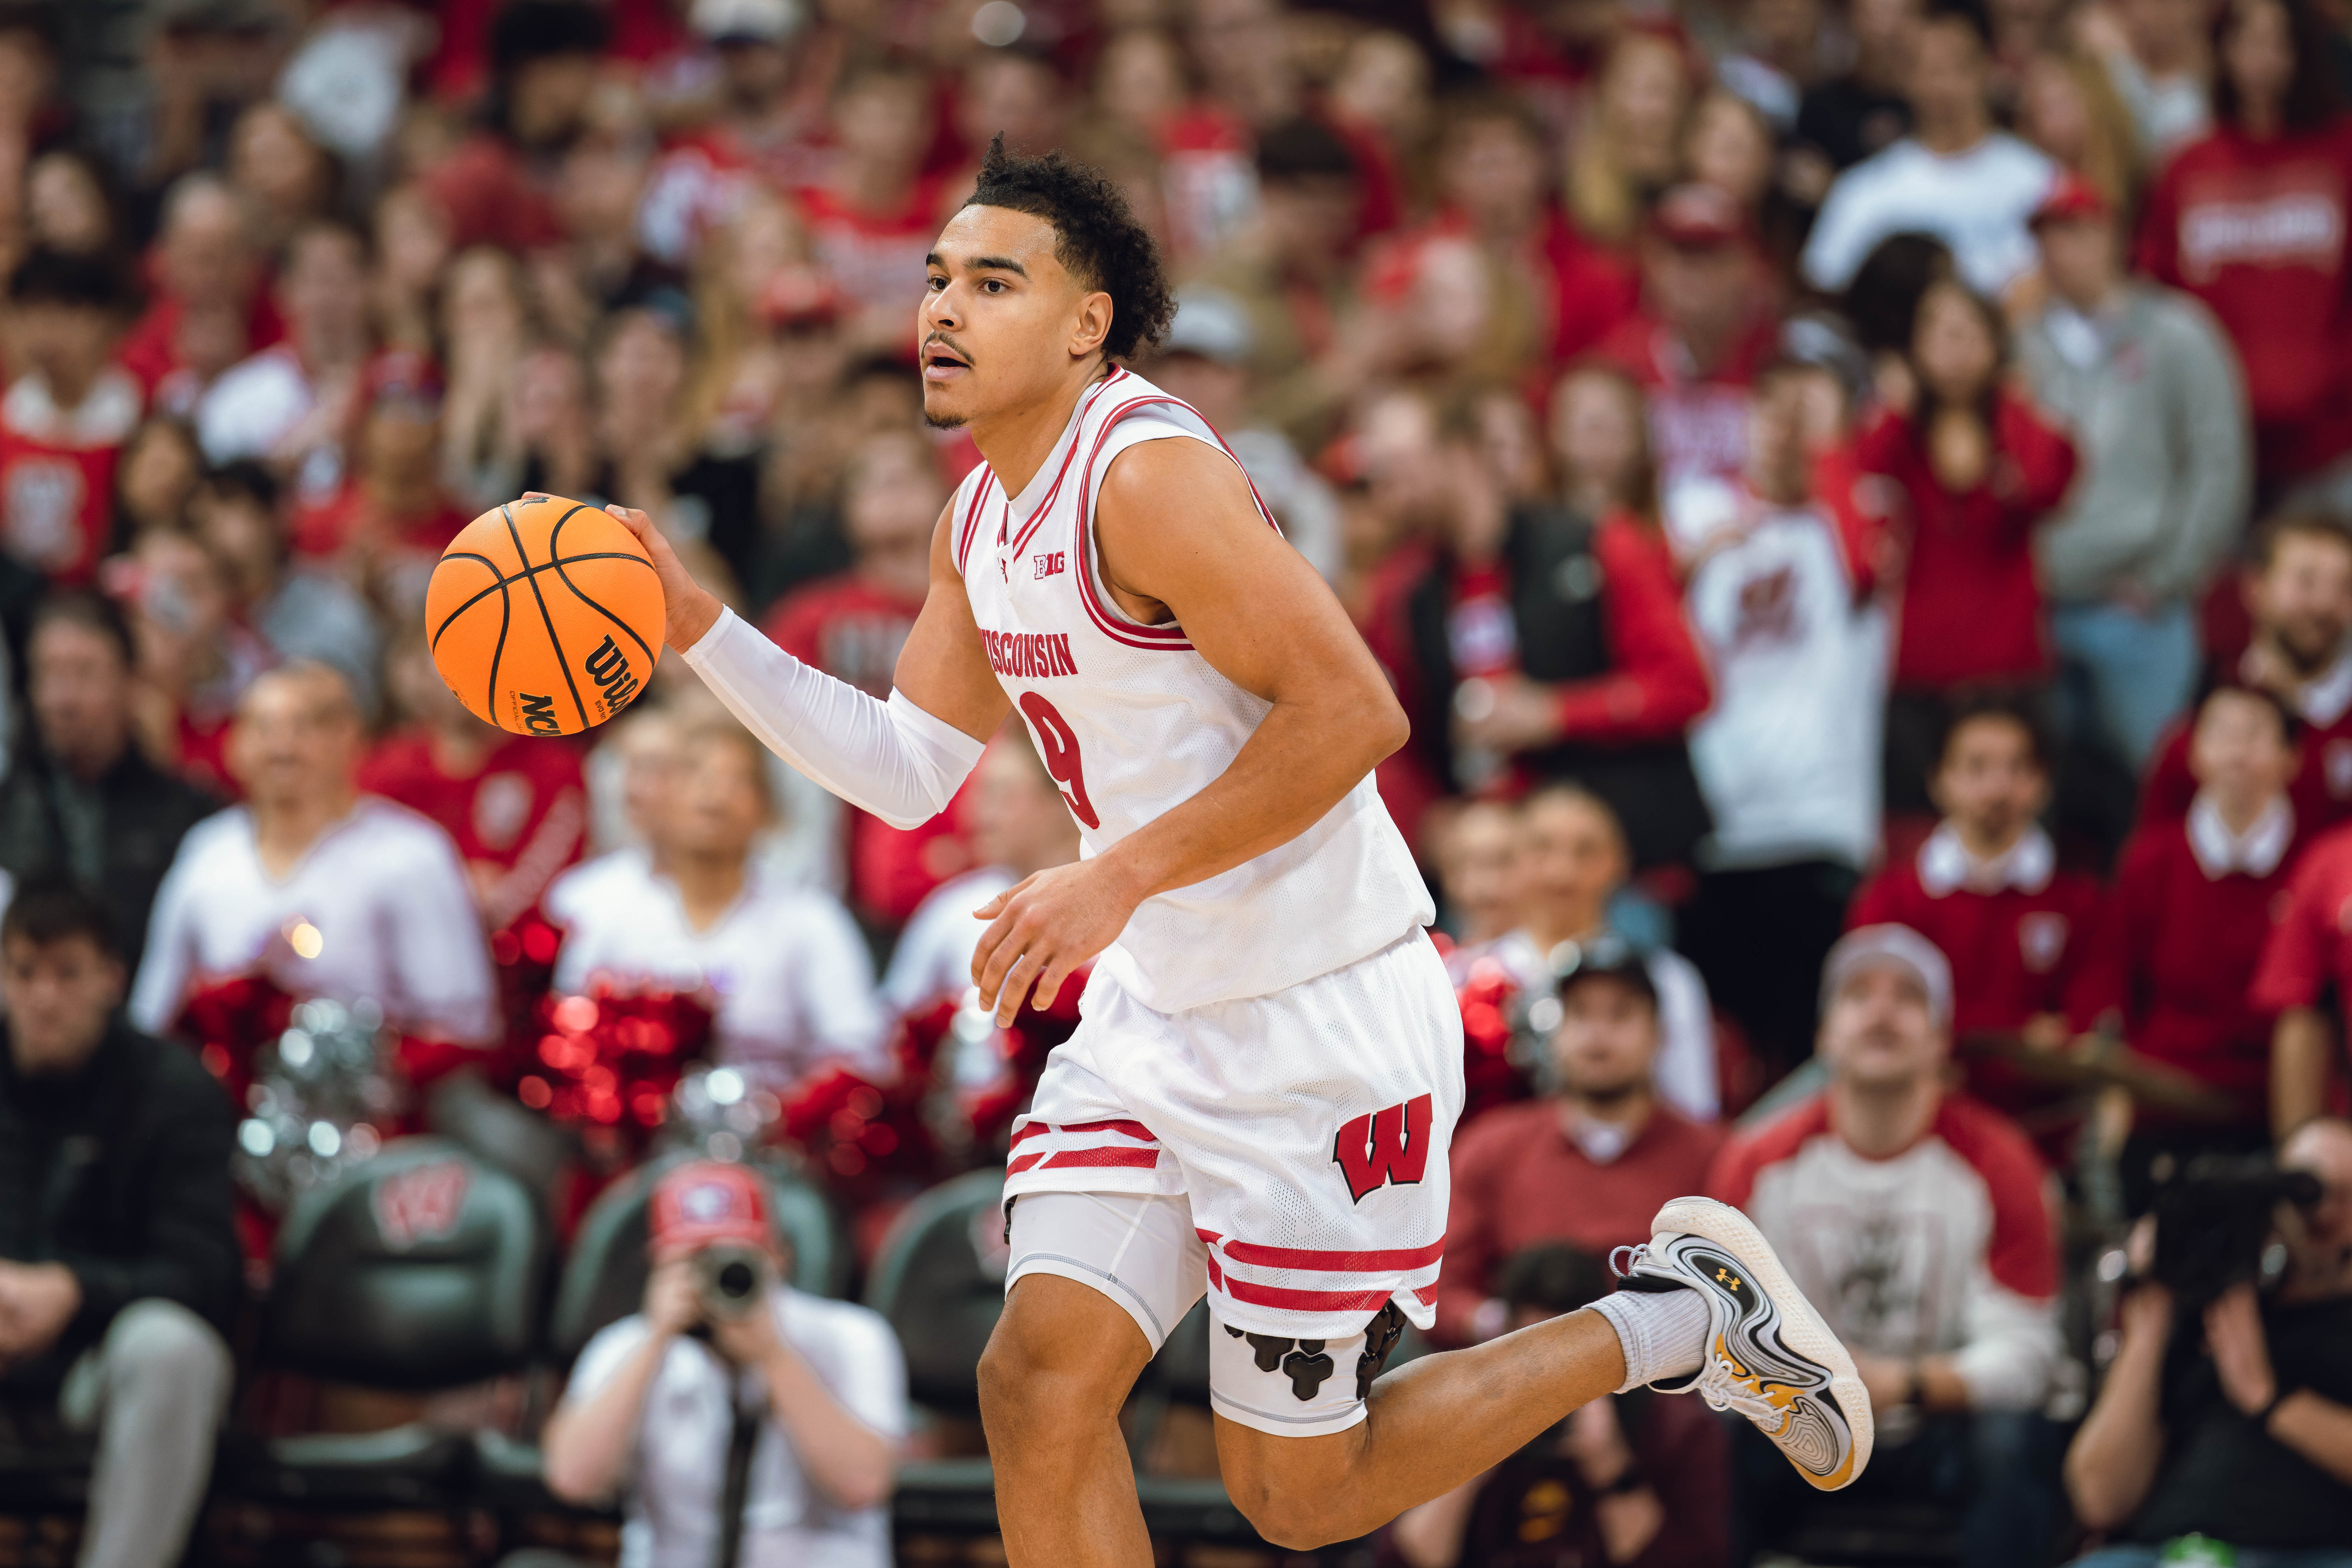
1134	1129
1065	1159
1307	1300
1332	1262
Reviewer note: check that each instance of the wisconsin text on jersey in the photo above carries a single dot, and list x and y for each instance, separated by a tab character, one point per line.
1029	656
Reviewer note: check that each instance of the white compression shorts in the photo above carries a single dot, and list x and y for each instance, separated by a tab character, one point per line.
1142	1251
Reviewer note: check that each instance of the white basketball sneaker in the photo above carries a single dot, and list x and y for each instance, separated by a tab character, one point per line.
1770	1356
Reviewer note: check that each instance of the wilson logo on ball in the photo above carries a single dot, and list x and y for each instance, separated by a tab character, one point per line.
544	617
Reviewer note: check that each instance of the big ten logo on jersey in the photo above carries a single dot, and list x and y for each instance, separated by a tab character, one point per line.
422	1203
1050	563
608	666
1384	1147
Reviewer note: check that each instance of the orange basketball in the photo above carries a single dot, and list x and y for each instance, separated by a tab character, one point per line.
544	617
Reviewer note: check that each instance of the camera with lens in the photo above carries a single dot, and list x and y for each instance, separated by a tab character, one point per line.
2214	1223
731	1278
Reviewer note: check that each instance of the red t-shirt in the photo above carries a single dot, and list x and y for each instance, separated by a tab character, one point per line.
523	818
322	530
150	350
2321	789
1519	1179
2256	230
2014	953
876	257
1971	607
490	198
2310	947
853	631
2178	952
56	473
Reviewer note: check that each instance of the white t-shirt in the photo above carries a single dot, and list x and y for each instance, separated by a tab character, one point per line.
933	958
1976	201
384	890
793	981
679	1469
1788	754
249	409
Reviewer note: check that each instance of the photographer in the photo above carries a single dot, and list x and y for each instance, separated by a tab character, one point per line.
740	1420
2241	1433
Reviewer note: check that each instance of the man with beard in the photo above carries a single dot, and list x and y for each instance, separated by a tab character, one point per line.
2298	591
1922	1217
1587	1164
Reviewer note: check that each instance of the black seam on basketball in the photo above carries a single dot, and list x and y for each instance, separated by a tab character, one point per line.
531	572
497	581
554	643
559	561
506	618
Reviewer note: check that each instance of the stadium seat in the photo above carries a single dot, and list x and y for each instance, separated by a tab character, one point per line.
497	1130
422	1270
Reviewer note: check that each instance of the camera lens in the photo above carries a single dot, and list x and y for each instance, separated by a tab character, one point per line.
736	1280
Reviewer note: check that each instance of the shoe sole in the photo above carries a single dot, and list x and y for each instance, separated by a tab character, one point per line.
1802	1329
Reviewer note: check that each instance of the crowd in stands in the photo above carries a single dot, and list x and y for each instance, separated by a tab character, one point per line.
1854	496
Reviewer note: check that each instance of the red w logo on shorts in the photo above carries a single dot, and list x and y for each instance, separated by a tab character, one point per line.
1386	1146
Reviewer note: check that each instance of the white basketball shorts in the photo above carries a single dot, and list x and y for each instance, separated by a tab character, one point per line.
1306	1131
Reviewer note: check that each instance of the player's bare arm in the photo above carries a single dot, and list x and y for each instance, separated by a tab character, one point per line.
1180	539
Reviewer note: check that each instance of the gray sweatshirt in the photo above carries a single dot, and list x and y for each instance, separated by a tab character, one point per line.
2154	400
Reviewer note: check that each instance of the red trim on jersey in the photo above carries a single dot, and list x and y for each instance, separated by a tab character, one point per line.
1113	626
1307	1300
987	475
1332	1262
1086	407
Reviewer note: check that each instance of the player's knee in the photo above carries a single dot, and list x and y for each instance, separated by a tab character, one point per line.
1043	1372
1289	1515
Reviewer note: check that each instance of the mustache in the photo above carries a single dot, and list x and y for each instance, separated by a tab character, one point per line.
940	339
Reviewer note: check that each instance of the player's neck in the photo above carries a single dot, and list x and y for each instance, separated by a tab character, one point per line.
1017	441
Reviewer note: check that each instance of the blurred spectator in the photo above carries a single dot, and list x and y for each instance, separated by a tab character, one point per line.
290	403
515	805
196	658
1305	348
554	425
1575	862
1205	359
795	985
1629	147
1979	470
1918	1221
1863	112
286	179
852	627
410	234
2297	589
390	519
2067	110
2018	933
2155	53
327	891
2151	393
1704	327
2250	219
2193	905
1590	1164
873	213
1540	641
66	417
1379	100
80	795
70	207
1600	437
2307	964
120	1270
485	326
155	478
207	309
1474	848
790	1411
1018	824
498	187
1629	1479
1780	599
2228	1421
1954	176
299	611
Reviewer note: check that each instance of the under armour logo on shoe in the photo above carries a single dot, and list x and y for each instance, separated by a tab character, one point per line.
1301	1361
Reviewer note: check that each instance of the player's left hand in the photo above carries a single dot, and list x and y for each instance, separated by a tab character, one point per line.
1044	927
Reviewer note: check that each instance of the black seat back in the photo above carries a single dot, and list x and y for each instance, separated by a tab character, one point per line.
938	1278
604	1276
499	1131
422	1269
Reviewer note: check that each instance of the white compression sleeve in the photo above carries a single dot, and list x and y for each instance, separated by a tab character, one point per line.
890	758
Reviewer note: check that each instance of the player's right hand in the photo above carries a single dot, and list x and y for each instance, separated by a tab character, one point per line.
689	610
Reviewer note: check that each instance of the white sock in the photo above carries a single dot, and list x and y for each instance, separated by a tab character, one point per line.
1664	1332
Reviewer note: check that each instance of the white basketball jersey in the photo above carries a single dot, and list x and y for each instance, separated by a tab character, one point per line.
1132	722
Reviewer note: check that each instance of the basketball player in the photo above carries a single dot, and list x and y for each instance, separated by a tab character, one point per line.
1258	1101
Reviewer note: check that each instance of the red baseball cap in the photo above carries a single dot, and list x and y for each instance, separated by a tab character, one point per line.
709	1201
2072	199
1699	217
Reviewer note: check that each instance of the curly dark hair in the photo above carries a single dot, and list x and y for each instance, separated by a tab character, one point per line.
1096	235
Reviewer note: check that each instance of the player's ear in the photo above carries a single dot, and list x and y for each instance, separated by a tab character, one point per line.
1092	325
